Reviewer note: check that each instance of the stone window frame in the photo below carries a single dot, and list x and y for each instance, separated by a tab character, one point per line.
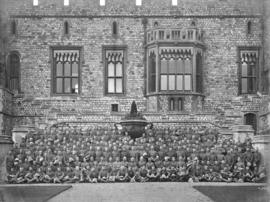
53	83
176	100
105	73
194	50
8	72
254	49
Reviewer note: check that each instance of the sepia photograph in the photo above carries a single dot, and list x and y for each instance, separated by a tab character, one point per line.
134	100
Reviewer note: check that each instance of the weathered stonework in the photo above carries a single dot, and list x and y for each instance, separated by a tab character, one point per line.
224	25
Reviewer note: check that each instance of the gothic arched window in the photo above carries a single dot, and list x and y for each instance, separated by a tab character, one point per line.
66	64
248	71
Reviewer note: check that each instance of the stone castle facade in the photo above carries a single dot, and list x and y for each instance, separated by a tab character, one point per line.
197	62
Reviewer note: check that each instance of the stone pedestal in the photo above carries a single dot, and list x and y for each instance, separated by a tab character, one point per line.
242	132
5	146
262	143
20	132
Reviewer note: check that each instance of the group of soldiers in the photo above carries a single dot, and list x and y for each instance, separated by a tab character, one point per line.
66	155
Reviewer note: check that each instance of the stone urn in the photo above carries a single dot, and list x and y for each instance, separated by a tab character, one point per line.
133	123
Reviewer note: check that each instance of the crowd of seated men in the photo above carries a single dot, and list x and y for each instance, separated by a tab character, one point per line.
65	155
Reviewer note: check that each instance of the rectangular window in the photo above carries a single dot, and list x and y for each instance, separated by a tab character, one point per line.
35	2
66	2
138	2
114	107
102	2
175	74
248	71
66	64
114	68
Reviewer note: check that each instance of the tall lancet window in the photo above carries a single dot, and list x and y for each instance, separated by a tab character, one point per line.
248	71
152	72
114	69
66	71
14	71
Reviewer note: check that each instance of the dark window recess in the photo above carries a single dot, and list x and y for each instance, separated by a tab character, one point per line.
250	119
152	72
199	75
155	24
176	104
114	29
66	28
13	71
249	27
114	107
66	68
13	28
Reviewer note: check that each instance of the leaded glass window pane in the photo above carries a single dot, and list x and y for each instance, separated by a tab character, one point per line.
164	82
163	66
111	85
171	66
119	88
171	82
119	70
187	82
111	70
179	82
75	69
59	85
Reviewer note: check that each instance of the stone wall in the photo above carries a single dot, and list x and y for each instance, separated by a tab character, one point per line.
6	112
224	24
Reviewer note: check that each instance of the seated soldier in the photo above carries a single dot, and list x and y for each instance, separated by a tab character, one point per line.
48	177
173	174
77	174
122	175
29	177
131	174
103	175
153	174
183	173
143	174
113	174
260	176
164	175
69	175
93	175
11	177
59	175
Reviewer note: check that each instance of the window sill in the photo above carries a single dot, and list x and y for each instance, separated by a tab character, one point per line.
175	93
64	95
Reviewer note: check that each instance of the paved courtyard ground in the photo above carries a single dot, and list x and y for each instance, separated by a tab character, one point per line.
137	192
